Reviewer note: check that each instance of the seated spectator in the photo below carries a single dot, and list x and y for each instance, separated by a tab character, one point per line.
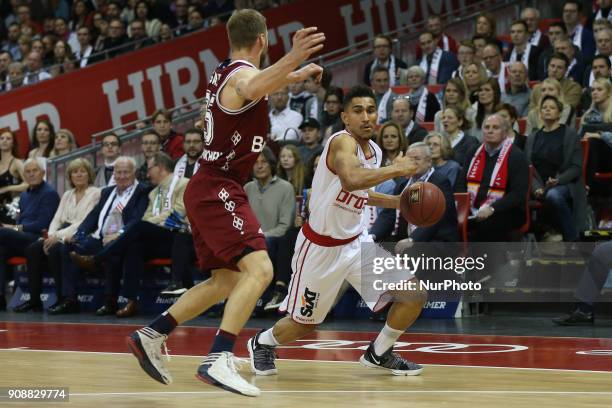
45	254
195	22
16	75
480	42
284	122
149	145
556	32
151	25
424	103
291	168
111	150
25	48
455	125
581	36
171	141
36	208
11	175
474	76
455	94
119	208
193	145
11	44
180	18
508	113
383	57
391	141
489	97
518	93
298	97
5	60
81	15
550	87
117	42
576	67
43	139
383	93
522	50
311	167
64	143
596	126
486	27
556	155
531	16
443	41
437	64
498	69
403	115
497	205
331	118
34	72
24	14
465	56
444	230
138	35
600	68
442	157
604	42
318	90
62	52
165	33
599	23
311	139
101	28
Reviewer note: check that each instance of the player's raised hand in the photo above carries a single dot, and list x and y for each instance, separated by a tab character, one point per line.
306	42
405	165
309	71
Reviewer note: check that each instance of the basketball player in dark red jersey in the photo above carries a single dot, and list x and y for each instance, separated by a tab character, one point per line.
226	234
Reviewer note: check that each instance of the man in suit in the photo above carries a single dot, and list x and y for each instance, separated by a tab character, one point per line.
576	66
120	207
383	57
85	50
581	36
444	41
557	68
556	31
438	64
522	50
444	230
403	115
531	16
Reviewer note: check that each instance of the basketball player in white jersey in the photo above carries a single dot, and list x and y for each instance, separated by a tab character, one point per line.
329	248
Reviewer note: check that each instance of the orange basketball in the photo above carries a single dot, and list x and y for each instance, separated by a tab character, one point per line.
422	204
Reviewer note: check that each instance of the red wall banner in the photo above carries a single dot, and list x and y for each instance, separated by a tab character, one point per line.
133	86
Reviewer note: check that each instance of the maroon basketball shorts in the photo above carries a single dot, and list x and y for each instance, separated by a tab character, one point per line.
223	224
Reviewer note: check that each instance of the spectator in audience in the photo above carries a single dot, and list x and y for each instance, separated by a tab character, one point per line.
81	15
550	87
383	93
314	106
442	157
424	103
11	175
557	68
455	94
113	10
143	14
311	167
196	21
116	43
443	41
497	68
531	16
600	68
474	76
489	97
455	125
465	56
556	154
24	42
171	141
61	53
165	33
437	64
498	205
11	44
291	168
522	50
16	75
403	115
480	42
102	28
603	13
284	122
311	139
391	141
60	29
508	113
43	139
331	120
181	14
149	145
193	145
582	37
24	18
111	150
48	42
518	93
85	47
34	72
604	42
5	61
383	57
596	127
36	208
64	143
486	27
298	97
38	46
556	31
139	36
45	253
444	230
119	208
576	67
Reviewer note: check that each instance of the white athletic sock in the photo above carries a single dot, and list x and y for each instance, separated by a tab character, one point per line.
267	338
386	339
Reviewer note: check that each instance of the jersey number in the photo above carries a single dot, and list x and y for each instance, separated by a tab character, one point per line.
207	118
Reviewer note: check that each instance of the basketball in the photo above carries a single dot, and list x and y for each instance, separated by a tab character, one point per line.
422	204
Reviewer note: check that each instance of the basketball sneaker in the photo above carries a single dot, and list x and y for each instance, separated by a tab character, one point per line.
389	361
262	357
219	369
146	345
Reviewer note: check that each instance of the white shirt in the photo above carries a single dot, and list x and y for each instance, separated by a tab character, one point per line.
42	75
284	125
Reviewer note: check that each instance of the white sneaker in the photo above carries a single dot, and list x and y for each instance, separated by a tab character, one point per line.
219	369
146	345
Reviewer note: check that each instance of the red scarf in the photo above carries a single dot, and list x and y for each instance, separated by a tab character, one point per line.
499	177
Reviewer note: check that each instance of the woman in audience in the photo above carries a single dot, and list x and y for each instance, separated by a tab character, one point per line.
455	94
43	139
555	152
391	141
64	143
509	113
152	26
597	129
291	168
474	75
486	27
171	141
81	16
61	53
550	87
465	55
331	122
165	33
46	253
11	174
455	124
489	96
441	156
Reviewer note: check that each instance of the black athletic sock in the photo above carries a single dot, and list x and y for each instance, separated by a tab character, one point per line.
164	324
224	341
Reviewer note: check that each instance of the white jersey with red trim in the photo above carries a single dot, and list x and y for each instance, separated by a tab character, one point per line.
335	212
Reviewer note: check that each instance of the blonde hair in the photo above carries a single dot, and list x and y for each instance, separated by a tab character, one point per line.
79	163
297	175
71	140
607	114
560	97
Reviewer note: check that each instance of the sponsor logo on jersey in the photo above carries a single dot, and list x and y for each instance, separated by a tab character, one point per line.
210	155
351	200
309	302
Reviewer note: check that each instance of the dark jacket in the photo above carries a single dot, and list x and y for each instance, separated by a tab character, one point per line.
465	149
534	56
37	207
417	134
444	230
448	64
399	64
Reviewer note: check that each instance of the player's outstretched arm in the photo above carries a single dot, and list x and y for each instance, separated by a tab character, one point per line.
383	200
343	160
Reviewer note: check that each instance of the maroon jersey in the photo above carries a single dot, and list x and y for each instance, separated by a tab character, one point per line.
232	138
